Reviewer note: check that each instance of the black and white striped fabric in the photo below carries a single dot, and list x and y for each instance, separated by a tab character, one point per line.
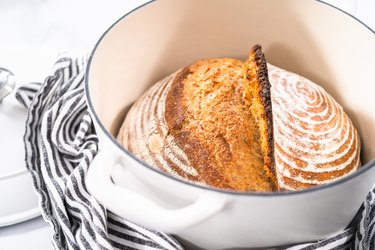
60	143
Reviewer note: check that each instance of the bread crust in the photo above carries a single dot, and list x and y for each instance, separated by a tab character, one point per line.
315	141
260	94
226	154
175	116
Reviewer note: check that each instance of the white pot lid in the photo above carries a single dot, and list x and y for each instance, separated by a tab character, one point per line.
19	202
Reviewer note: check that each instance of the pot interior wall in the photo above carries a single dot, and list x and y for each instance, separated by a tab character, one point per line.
306	37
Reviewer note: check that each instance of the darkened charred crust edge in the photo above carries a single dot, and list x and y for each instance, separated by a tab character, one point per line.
265	96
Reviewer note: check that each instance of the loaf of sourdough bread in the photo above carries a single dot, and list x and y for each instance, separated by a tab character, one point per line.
244	126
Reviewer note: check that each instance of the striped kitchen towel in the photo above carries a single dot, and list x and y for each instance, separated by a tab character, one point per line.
60	142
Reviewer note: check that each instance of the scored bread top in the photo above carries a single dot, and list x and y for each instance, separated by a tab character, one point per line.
315	142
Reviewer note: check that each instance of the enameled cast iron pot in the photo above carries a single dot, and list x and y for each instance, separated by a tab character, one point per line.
308	37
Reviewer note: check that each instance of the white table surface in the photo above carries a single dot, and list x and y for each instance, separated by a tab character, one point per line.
34	32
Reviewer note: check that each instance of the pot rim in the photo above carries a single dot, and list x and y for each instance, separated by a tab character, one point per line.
362	170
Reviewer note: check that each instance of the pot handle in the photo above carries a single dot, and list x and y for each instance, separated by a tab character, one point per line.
142	210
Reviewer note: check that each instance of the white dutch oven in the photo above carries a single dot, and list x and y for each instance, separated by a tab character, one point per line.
307	37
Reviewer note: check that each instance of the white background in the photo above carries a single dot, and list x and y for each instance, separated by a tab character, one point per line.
34	32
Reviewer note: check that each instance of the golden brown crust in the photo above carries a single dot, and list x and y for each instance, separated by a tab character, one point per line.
174	110
175	117
210	121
